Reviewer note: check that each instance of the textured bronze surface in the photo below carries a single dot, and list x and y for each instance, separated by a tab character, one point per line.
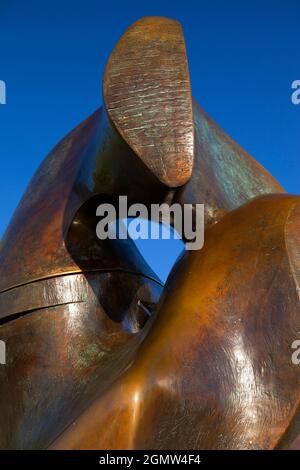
100	356
146	90
62	290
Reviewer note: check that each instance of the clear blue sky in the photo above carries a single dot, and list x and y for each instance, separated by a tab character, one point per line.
243	57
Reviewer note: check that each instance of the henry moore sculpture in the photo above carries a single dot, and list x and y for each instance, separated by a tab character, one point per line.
101	355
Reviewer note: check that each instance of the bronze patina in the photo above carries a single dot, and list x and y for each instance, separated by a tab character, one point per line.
100	354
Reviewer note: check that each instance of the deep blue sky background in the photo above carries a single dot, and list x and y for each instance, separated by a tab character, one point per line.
243	58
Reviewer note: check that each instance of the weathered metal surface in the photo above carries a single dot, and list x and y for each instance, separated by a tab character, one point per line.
224	175
87	366
60	356
215	370
60	290
39	242
146	90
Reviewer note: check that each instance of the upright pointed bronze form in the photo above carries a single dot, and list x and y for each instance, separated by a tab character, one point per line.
97	357
146	90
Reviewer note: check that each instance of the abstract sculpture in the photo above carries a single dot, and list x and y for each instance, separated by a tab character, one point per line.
100	355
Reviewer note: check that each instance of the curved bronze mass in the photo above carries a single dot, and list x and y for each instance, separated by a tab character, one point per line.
101	355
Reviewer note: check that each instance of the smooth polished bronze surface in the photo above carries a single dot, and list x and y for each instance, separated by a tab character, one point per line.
215	370
100	354
224	175
63	351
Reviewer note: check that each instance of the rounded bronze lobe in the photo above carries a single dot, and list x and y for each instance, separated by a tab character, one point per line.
215	371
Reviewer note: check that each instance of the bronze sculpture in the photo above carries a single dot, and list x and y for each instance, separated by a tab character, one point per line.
100	354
